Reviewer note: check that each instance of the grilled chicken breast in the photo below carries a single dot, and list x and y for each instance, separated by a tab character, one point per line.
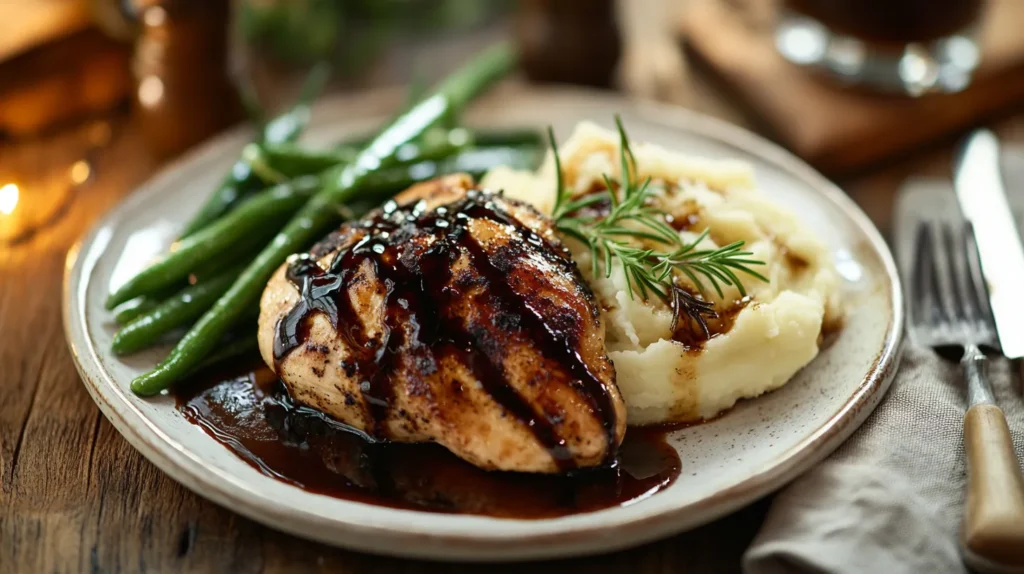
452	315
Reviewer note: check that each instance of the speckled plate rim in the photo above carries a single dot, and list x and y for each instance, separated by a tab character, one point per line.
598	537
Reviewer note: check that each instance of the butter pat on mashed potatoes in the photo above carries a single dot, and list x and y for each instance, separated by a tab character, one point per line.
759	341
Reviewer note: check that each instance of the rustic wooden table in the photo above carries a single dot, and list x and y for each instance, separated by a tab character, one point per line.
74	496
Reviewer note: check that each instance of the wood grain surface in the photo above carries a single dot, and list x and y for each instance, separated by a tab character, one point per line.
74	496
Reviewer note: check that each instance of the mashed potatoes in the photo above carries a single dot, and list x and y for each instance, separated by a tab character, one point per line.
759	342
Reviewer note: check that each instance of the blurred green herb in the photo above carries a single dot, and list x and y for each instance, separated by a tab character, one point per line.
351	33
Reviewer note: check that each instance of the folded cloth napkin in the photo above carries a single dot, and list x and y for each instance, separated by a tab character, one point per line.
889	500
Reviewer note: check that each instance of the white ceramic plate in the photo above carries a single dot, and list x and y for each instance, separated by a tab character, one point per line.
754	449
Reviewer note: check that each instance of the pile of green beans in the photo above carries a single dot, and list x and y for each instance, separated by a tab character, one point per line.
247	229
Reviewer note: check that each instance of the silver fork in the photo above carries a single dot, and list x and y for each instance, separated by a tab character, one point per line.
949	308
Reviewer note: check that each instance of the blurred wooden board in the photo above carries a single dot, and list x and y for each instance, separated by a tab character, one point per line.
840	130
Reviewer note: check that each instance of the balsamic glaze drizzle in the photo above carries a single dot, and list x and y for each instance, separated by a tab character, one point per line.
417	318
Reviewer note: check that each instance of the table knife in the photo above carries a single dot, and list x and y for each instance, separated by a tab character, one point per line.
992	536
982	196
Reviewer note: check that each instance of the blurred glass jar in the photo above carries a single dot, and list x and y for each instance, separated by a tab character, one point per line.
909	46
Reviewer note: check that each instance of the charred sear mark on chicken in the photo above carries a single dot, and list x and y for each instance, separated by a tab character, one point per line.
451	315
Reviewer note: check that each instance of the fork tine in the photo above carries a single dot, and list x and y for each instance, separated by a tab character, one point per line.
960	279
920	289
941	276
977	279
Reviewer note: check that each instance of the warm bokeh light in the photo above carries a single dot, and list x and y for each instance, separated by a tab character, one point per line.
80	172
151	91
9	198
155	16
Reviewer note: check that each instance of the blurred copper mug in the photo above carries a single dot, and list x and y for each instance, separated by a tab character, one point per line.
183	91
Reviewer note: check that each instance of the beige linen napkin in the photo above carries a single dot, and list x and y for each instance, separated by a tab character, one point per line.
889	500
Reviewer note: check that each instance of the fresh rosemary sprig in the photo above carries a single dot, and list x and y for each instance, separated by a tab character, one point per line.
650	271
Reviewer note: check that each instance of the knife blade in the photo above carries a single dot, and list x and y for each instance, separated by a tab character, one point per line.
982	196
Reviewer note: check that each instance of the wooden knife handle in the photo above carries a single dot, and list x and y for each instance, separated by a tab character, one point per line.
993	528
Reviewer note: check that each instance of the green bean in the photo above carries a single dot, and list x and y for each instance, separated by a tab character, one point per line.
177	311
274	163
239	342
484	137
288	161
413	94
239	347
320	213
132	309
277	163
475	162
436	144
479	161
259	215
510	137
241	182
289	125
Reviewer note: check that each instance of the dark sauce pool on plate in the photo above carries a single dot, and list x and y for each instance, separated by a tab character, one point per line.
250	413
